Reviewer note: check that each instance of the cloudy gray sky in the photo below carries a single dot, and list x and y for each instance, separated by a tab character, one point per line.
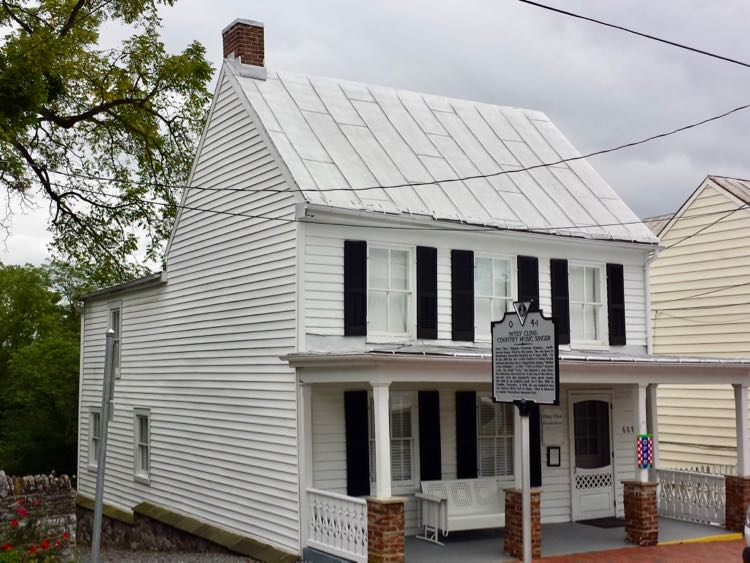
600	86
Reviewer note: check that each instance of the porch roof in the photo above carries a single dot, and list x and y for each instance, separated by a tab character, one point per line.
424	361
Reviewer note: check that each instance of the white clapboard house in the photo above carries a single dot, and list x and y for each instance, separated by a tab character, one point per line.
320	331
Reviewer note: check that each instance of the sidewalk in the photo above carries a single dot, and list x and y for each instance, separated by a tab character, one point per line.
695	552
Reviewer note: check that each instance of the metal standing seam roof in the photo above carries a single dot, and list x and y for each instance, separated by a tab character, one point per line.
735	186
340	134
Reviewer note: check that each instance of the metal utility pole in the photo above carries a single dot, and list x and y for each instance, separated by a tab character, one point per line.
107	394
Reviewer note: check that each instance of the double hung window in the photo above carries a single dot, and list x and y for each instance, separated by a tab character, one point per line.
95	436
492	292
142	423
115	324
585	303
402	439
388	291
495	438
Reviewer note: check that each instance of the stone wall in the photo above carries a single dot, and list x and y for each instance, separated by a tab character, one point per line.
52	497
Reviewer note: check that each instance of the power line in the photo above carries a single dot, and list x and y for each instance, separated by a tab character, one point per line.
638	33
699	231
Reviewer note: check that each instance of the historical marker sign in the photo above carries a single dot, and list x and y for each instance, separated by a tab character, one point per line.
524	358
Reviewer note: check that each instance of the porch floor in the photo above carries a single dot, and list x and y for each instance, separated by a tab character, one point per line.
557	539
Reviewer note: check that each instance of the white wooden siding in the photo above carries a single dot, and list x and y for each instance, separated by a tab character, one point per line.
696	423
324	273
329	446
202	351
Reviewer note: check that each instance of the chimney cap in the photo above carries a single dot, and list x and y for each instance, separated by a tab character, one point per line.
251	23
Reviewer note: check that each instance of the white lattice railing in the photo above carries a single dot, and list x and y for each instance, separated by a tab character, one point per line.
337	524
686	495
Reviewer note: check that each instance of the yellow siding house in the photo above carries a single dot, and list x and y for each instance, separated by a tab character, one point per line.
700	306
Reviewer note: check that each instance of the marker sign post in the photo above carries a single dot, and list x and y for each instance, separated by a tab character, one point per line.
525	372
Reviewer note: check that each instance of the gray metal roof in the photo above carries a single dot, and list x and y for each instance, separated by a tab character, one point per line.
339	134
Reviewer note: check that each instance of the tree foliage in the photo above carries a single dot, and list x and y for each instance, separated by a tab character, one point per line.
39	354
101	133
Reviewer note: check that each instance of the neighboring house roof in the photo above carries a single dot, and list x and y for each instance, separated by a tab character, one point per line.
657	223
735	186
339	134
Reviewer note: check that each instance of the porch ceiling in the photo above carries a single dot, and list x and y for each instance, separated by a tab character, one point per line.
420	363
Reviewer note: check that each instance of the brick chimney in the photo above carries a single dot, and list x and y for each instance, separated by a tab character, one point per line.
243	40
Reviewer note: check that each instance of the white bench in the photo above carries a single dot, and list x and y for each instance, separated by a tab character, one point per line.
460	504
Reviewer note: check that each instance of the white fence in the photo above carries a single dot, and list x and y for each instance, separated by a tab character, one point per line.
337	524
687	495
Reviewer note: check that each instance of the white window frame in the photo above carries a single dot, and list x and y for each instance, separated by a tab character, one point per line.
411	312
138	474
92	456
412	397
601	317
495	436
484	335
116	306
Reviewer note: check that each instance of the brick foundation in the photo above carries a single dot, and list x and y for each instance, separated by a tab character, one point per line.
641	513
738	500
514	523
385	530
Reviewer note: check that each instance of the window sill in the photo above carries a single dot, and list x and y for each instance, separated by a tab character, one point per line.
143	479
597	346
91	468
388	338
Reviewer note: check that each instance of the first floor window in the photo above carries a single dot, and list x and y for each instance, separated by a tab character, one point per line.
142	443
585	303
495	438
388	291
492	292
402	439
95	436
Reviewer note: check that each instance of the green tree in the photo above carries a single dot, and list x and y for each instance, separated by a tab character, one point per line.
102	134
39	352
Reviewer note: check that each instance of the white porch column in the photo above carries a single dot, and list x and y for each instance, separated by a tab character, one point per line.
641	424
381	420
743	436
304	449
653	427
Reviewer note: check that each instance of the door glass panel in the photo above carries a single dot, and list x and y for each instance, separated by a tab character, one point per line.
591	428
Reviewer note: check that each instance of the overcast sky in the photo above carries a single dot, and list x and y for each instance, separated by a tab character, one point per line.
600	86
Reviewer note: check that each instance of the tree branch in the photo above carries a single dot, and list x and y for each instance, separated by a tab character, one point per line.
69	121
72	18
16	19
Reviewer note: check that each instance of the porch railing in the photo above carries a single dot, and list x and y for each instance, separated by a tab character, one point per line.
686	495
337	524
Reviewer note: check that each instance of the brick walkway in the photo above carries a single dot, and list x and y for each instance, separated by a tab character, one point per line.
714	552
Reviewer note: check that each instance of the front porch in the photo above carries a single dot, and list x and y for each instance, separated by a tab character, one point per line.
559	539
384	426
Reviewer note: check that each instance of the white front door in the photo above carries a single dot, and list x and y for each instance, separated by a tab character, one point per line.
592	471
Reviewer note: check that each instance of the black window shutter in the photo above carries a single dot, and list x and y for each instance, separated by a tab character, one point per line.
462	295
528	280
355	288
357	443
429	436
616	304
535	446
427	304
560	299
466	434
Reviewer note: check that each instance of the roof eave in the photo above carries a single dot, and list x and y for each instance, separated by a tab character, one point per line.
153	280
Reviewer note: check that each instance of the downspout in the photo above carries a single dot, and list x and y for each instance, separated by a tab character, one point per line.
653	255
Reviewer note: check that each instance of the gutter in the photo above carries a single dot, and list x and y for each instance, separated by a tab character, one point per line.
159	278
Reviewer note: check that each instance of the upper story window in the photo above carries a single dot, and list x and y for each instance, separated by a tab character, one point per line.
115	324
388	291
492	292
585	303
494	438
